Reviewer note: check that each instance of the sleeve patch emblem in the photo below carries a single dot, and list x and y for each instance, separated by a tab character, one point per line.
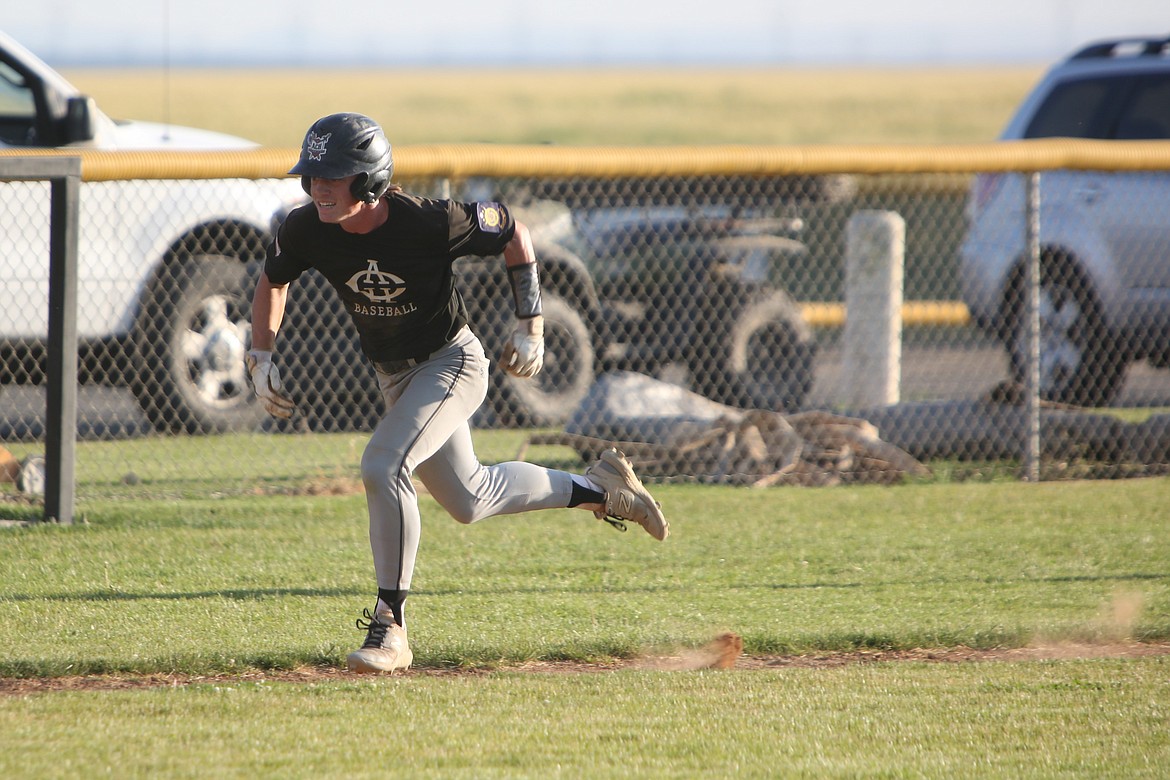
491	217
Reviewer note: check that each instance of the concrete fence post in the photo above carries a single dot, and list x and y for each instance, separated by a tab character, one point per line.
874	258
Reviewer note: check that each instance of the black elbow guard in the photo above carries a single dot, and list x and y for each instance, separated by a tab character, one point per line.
525	281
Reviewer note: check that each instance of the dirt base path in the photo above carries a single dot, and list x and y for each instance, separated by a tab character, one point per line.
724	652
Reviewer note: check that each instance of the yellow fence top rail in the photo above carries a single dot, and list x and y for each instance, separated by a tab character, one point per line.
463	160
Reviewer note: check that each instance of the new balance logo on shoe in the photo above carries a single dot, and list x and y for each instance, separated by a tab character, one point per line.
625	504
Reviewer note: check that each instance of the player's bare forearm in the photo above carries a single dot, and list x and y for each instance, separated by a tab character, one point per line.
523	355
268	304
519	250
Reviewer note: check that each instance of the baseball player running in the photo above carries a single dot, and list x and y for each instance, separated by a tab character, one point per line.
389	255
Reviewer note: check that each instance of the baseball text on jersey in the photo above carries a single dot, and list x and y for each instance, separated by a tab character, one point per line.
384	311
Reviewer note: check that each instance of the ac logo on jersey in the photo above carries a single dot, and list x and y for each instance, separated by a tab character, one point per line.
315	145
377	285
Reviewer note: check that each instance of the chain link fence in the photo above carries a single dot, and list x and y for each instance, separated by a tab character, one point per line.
696	311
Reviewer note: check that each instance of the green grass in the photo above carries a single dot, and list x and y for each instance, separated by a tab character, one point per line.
221	542
243	583
234	585
1072	719
585	107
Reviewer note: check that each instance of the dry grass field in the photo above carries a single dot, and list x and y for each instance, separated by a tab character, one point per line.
582	107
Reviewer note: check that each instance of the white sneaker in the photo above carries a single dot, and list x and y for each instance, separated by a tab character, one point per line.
626	499
385	648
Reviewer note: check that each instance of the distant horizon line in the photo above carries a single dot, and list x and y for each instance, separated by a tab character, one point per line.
519	62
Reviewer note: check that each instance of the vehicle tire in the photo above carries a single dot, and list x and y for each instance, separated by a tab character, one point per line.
569	365
764	358
191	338
1080	362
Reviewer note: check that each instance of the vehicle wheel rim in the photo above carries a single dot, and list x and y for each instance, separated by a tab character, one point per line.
1061	352
559	369
213	348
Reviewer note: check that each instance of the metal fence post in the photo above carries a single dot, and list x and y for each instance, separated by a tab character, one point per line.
64	177
61	370
1032	312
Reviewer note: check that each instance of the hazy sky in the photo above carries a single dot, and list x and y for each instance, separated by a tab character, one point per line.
310	32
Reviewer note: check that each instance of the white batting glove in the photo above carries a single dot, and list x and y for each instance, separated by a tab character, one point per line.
266	381
523	355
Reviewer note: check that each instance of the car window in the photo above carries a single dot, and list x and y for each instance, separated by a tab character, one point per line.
1076	109
18	110
1146	116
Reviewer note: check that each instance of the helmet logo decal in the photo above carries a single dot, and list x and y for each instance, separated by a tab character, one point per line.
376	284
315	145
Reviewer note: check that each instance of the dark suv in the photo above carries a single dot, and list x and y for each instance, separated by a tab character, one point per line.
1105	236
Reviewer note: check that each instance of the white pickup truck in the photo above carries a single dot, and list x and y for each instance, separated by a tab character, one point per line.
162	264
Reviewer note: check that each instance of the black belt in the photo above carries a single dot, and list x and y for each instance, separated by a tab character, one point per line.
396	366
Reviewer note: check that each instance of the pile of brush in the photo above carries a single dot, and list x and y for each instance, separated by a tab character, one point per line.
762	449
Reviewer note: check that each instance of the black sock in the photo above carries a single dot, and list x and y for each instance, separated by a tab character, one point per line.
396	599
583	495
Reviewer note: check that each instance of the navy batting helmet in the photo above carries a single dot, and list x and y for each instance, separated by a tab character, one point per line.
341	145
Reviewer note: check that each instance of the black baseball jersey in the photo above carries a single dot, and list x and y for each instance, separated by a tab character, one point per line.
397	281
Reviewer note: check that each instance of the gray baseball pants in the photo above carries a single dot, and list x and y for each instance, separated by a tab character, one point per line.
425	432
